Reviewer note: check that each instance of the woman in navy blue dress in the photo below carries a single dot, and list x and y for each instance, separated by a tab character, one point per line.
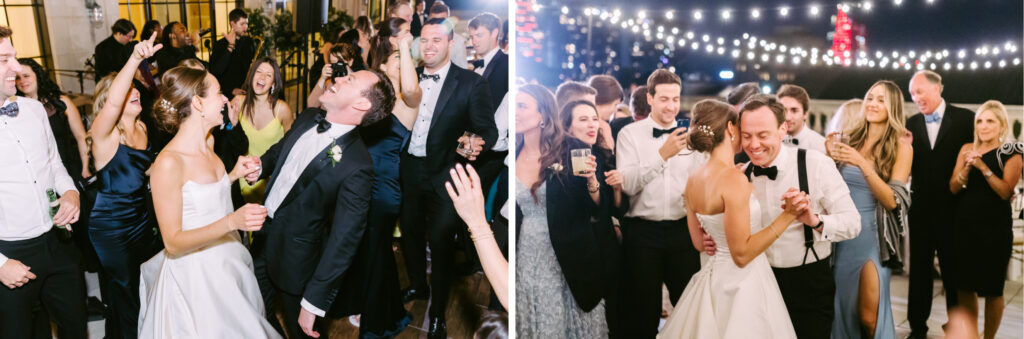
122	228
383	313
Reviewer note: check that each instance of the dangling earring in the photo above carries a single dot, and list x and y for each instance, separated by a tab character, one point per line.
271	89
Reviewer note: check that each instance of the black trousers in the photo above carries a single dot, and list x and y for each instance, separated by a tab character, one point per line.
267	289
655	252
427	213
58	285
290	304
927	238
809	292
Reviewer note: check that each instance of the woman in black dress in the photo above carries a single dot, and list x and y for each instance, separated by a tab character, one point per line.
983	180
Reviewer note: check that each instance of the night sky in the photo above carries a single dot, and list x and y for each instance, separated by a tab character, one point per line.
914	24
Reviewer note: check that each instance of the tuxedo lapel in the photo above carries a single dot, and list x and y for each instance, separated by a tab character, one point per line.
317	165
447	90
494	64
286	149
944	126
920	132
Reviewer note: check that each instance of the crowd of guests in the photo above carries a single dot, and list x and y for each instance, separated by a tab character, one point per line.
757	225
209	207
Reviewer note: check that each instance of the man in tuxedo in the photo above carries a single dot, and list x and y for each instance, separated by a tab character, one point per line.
232	55
111	54
36	266
454	101
736	98
492	64
317	200
796	101
418	19
938	131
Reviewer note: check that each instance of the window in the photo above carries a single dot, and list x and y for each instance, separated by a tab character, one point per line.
28	21
196	15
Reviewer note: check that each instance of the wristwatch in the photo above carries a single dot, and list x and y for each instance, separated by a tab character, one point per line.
988	173
821	222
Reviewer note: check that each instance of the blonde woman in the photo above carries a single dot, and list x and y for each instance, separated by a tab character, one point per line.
983	180
878	156
846	115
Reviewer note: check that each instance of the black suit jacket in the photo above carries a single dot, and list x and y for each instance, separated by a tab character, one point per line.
932	168
109	57
496	74
585	247
231	68
463	105
416	26
315	233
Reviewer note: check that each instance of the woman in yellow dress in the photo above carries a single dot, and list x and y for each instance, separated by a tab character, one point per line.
263	117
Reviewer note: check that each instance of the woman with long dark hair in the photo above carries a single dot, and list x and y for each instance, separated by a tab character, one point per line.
65	121
562	262
262	116
384	314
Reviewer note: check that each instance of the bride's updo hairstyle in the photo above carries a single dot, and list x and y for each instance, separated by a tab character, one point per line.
710	119
178	86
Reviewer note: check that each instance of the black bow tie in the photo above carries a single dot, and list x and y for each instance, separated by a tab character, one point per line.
10	110
770	172
435	77
793	141
659	132
478	63
322	125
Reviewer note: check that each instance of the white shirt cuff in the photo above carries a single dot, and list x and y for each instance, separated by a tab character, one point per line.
312	309
3	259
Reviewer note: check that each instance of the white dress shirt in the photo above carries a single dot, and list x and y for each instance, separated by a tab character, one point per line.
830	200
29	165
933	128
421	129
309	145
501	122
487	61
655	186
809	139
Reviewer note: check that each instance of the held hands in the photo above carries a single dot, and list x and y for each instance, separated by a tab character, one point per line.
253	176
478	146
146	49
68	212
675	143
14	274
248	218
306	320
244	166
797	204
467	195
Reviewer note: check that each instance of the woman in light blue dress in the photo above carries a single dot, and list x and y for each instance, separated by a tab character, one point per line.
878	156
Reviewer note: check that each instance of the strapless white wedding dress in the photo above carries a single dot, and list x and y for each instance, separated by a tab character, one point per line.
723	300
210	292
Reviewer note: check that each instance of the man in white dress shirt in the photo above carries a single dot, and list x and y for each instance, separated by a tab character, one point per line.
655	238
800	257
796	101
35	265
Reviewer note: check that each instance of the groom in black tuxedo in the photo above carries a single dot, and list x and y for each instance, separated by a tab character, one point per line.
939	131
317	200
454	101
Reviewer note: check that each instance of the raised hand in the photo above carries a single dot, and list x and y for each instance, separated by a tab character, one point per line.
146	49
14	274
467	195
591	167
248	218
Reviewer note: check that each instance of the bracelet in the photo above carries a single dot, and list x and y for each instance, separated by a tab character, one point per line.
777	235
475	237
594	189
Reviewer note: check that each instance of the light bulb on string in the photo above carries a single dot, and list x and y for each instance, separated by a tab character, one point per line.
697	15
755	13
814	10
784	11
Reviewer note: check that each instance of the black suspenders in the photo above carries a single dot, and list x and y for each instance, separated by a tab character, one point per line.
801	159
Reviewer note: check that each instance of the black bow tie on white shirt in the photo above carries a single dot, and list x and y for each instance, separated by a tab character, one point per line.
435	77
478	63
322	125
792	140
659	132
770	172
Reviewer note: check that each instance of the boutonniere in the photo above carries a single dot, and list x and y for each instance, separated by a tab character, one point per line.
334	152
557	167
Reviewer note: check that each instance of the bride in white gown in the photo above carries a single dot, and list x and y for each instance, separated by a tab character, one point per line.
735	294
202	285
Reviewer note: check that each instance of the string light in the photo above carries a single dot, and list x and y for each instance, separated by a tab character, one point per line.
726	15
670	15
814	10
784	11
697	15
755	13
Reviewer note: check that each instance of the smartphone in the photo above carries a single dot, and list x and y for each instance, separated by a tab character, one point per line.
684	122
